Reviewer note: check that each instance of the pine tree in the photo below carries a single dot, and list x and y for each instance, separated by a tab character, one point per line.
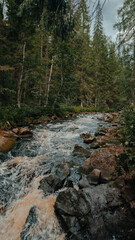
6	69
83	54
126	27
100	52
20	28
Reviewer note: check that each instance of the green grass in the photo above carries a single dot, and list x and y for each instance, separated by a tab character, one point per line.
65	109
27	113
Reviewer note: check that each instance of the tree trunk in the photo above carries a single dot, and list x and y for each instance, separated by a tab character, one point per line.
41	55
19	96
61	84
49	80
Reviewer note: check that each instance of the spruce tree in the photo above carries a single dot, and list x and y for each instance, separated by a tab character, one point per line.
126	27
83	54
100	52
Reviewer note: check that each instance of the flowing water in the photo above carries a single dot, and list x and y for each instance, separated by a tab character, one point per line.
21	200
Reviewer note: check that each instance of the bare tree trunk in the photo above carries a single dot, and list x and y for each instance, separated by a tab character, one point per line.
49	80
19	96
41	55
81	103
41	46
46	71
61	84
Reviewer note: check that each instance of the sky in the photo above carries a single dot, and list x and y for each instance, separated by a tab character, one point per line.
110	16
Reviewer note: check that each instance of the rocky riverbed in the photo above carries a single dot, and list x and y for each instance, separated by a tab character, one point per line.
60	183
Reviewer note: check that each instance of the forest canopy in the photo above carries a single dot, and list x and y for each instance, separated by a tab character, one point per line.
50	60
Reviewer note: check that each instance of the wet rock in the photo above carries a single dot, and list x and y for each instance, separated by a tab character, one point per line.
83	183
93	213
7	140
94	177
15	130
32	126
13	182
89	140
95	145
82	151
24	132
56	179
112	137
104	159
101	131
7	190
74	176
6	144
85	135
30	224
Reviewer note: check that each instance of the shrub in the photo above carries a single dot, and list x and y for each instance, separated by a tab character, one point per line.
129	123
126	162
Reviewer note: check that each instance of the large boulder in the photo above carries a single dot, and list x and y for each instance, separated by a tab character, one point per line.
104	159
93	213
56	179
7	140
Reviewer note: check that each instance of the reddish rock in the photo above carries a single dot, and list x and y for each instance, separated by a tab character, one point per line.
7	140
24	132
15	130
104	159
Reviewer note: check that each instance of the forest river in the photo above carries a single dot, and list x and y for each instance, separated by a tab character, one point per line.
27	212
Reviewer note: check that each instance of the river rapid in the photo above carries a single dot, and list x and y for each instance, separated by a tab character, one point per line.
25	167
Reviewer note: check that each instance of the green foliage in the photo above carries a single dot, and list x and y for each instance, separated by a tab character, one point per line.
104	68
60	67
126	162
129	123
126	36
15	115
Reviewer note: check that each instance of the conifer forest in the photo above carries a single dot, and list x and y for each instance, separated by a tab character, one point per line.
51	58
67	120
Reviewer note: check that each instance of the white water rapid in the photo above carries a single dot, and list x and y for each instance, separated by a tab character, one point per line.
21	200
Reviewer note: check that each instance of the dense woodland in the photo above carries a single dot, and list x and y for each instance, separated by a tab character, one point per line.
51	59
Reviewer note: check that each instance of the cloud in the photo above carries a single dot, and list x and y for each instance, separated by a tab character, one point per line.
110	16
